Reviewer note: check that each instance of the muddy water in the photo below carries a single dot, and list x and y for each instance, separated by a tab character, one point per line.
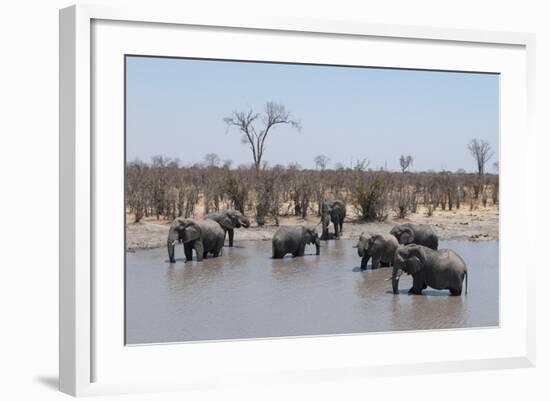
246	294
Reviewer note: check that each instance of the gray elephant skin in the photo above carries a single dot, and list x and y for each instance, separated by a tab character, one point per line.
229	220
442	270
333	211
380	247
204	236
293	239
420	234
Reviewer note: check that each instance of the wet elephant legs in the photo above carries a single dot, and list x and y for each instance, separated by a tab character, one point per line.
376	263
230	234
364	262
419	284
188	250
301	250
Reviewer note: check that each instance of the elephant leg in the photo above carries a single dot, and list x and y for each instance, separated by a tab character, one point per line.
457	290
418	284
231	234
375	263
218	251
188	249
278	253
301	250
336	233
364	262
384	264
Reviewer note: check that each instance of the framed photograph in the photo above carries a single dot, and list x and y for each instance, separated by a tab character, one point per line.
278	200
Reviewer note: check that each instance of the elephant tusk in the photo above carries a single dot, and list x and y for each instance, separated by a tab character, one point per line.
174	243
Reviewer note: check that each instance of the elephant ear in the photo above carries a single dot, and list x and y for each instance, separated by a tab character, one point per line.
416	259
413	265
227	222
174	234
191	233
406	237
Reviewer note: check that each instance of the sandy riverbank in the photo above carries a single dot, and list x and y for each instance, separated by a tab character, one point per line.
477	225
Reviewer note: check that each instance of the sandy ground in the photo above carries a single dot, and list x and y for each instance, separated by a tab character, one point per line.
477	225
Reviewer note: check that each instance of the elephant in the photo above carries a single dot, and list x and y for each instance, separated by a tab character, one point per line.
420	234
229	220
293	239
205	236
443	269
335	212
380	247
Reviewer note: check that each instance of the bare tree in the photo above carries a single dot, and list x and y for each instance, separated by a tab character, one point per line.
405	162
212	160
246	122
227	163
481	152
361	165
321	162
136	173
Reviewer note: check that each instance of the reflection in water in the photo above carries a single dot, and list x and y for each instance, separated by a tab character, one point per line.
246	294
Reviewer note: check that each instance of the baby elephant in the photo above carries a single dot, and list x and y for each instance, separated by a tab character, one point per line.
293	239
443	269
380	247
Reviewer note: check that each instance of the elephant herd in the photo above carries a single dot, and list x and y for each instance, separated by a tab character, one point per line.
205	236
413	249
409	248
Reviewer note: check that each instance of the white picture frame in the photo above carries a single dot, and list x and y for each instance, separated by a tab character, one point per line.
86	351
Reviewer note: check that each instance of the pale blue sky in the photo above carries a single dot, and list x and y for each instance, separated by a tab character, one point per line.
175	108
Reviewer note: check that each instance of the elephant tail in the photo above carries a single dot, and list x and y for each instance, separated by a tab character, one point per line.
466	274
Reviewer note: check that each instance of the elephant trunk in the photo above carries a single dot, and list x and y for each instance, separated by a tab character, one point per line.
171	244
317	246
325	220
245	222
199	249
171	247
395	279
